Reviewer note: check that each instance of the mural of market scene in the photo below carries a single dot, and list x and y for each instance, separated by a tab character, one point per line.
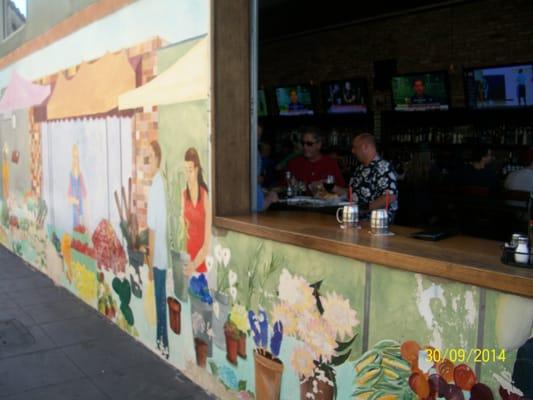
105	187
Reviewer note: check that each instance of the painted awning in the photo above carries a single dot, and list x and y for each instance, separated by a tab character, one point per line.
21	94
94	89
186	80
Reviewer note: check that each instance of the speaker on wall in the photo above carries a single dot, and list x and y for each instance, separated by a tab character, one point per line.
384	70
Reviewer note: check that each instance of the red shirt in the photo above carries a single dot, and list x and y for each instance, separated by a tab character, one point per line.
194	216
307	171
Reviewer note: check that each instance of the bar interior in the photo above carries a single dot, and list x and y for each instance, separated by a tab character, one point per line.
446	97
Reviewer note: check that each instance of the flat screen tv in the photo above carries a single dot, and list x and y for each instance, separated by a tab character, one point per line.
509	86
348	96
421	92
294	100
262	109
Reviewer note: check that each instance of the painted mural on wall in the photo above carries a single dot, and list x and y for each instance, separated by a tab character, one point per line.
105	188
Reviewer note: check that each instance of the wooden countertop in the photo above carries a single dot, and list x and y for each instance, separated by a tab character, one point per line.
459	258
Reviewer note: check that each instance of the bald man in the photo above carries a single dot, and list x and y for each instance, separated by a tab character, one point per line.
373	177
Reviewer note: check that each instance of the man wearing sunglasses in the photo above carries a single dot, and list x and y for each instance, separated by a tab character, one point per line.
313	167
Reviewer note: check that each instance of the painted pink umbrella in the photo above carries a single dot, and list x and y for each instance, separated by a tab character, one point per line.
21	94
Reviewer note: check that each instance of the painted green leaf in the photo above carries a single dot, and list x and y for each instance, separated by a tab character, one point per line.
339	360
242	386
344	345
214	368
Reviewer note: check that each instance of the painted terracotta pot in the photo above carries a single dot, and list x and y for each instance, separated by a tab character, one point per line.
232	345
241	349
268	374
174	315
325	391
200	348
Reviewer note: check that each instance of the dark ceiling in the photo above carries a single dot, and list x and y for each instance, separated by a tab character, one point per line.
280	18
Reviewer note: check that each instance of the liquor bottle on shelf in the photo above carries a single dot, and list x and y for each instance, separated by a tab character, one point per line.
334	138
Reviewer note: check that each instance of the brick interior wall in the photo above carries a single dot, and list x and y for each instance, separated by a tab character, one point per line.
477	33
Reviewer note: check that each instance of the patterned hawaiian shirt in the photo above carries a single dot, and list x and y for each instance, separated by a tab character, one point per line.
373	181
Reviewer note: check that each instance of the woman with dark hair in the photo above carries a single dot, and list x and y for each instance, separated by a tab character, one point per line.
196	213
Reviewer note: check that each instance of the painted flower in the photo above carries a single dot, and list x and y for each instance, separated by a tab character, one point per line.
281	312
232	278
226	256
209	262
198	323
296	292
318	334
303	361
233	292
218	253
244	396
338	314
239	317
216	309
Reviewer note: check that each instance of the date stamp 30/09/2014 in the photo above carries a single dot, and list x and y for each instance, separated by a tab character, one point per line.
474	355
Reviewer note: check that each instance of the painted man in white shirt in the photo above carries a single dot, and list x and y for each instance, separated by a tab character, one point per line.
158	254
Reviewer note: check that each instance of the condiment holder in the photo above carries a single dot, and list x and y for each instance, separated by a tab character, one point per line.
518	252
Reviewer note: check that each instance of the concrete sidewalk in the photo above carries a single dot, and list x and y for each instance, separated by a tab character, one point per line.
55	347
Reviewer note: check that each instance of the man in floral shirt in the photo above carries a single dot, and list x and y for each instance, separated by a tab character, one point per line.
373	177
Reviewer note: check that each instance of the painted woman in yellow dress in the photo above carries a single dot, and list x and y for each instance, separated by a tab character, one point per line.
5	173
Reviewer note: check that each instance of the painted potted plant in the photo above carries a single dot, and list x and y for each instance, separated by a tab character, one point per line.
176	232
268	367
201	350
238	319
324	326
174	315
232	335
201	313
134	237
221	304
253	293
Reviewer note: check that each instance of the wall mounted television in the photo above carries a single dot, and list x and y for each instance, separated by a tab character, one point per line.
427	91
295	100
346	96
505	86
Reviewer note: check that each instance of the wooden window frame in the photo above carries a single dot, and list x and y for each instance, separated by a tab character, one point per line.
231	107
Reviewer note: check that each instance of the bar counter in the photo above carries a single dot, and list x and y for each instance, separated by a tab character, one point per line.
459	258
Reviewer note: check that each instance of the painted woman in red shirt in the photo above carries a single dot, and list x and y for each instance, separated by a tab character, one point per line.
196	213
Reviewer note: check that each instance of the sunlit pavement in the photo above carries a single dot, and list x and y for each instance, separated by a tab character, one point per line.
55	347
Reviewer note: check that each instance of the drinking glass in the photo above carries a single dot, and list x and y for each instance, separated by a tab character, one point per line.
330	183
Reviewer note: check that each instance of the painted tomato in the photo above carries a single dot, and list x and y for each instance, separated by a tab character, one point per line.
410	350
464	377
481	391
437	385
419	384
445	369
